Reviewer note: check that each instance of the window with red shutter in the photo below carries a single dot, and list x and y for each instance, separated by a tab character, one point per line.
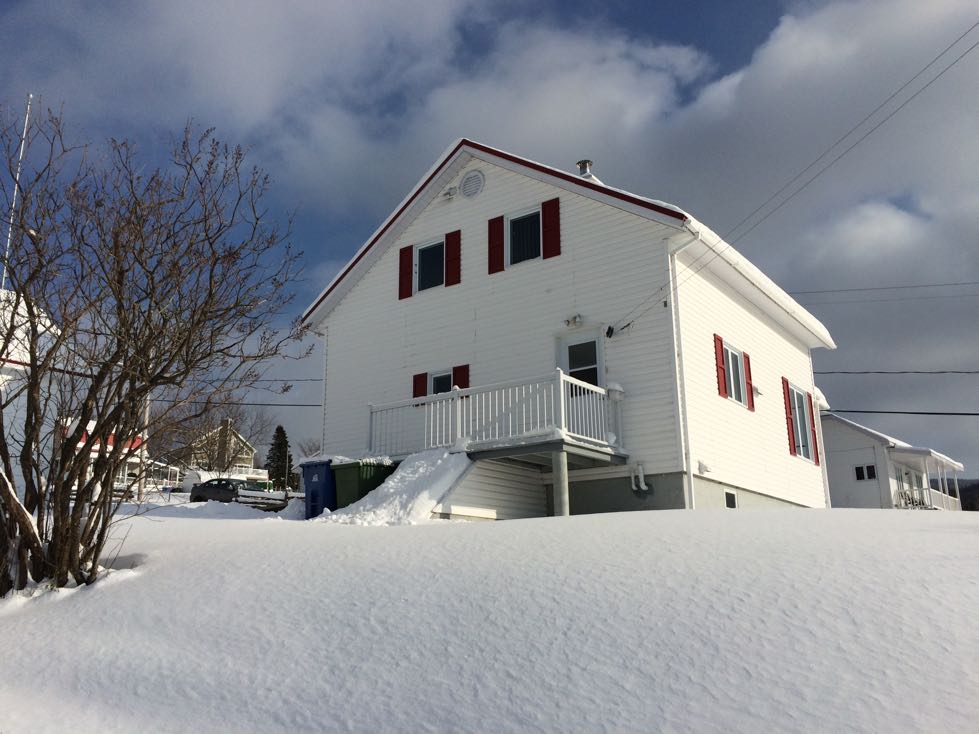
550	228
719	365
749	390
406	272
453	258
460	376
787	394
496	245
419	385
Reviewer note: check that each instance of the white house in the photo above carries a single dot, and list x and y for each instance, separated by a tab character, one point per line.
608	351
867	468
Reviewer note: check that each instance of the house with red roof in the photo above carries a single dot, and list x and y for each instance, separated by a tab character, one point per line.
590	349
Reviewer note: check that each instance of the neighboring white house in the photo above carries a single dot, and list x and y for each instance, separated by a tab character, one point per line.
871	469
610	351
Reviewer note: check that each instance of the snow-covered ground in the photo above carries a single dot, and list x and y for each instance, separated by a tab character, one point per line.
222	618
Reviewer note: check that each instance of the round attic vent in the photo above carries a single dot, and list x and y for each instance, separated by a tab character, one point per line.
472	184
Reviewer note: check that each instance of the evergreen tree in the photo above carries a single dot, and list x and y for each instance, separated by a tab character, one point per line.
278	461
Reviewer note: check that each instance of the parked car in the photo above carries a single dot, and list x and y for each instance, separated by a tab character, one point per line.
219	490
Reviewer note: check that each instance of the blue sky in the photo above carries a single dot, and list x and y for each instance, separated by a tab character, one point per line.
710	105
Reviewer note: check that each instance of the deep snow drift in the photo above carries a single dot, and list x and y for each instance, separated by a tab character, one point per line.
222	618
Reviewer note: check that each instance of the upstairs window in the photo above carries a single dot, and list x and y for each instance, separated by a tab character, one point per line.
524	237
865	472
430	267
733	373
421	267
441	382
800	422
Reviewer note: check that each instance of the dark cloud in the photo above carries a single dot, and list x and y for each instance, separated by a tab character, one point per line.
349	103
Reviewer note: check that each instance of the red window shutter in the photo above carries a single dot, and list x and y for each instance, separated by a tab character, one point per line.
788	414
460	376
550	214
719	359
812	426
406	267
419	385
747	381
495	245
453	258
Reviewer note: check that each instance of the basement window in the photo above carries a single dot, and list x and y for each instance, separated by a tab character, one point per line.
731	500
430	266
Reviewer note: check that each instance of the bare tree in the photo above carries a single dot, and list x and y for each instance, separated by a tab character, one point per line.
213	441
127	285
309	447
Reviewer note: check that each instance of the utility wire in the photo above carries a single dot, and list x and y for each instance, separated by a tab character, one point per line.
716	253
897	372
892	300
884	288
849	132
900	412
215	405
825	168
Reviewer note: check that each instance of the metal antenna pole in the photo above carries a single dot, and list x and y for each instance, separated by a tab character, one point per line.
13	202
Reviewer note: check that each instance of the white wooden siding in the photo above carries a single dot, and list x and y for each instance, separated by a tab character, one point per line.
507	325
740	447
846	449
496	490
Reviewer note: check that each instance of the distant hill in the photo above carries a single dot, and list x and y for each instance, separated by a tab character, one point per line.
969	488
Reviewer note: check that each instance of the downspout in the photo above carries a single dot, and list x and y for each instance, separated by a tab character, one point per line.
689	499
323	336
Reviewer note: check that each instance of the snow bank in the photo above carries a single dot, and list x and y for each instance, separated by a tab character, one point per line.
706	621
408	496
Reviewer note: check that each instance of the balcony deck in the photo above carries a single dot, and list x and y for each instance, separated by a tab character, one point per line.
522	418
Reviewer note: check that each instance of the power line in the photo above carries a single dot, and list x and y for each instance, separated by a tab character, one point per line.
852	129
897	372
902	412
261	405
859	140
893	300
883	288
716	253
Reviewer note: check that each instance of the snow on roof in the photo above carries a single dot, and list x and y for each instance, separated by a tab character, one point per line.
894	443
813	333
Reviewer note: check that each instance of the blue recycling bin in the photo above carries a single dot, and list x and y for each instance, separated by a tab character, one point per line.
320	487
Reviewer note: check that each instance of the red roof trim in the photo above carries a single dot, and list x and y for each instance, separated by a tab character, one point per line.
577	180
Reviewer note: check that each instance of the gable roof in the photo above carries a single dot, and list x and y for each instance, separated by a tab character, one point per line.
724	259
891	442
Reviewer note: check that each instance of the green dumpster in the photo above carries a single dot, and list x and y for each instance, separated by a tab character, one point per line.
356	478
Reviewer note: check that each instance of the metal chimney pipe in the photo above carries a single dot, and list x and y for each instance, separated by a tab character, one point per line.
584	168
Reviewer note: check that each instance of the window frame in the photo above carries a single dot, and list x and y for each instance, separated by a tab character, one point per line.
866	470
433	374
520	214
416	274
568	340
729	353
798	396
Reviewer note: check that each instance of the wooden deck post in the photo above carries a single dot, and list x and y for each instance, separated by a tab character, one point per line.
562	501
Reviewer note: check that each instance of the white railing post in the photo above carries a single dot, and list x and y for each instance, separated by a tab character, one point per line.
561	419
457	437
370	427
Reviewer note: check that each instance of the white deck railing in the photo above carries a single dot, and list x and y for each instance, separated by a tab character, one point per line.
504	413
924	498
